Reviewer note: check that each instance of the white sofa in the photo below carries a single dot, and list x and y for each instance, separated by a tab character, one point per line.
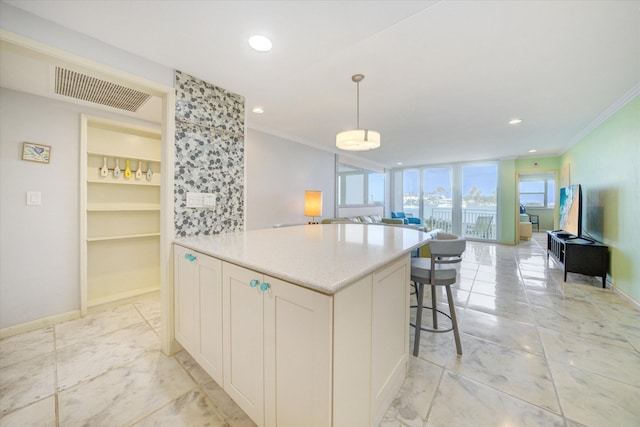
372	219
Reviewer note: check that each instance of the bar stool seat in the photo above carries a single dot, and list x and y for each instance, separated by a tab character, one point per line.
445	249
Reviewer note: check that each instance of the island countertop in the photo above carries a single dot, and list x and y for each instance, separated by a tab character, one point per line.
322	257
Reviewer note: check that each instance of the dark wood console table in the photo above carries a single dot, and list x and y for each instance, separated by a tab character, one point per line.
579	255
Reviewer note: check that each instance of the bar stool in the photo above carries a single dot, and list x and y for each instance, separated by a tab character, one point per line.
445	249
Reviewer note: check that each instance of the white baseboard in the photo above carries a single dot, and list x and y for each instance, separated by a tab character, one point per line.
38	324
122	296
626	296
71	315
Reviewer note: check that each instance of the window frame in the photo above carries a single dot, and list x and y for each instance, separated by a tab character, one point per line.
545	194
342	184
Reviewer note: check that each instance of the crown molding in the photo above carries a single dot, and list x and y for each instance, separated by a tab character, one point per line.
610	111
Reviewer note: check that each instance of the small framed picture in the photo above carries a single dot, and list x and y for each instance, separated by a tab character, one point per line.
36	152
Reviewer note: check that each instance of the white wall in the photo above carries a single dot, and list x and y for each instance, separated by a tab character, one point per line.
26	24
39	245
39	248
278	173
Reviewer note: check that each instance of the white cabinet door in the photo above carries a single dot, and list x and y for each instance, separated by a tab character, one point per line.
209	352
243	339
298	355
198	308
186	297
389	335
277	349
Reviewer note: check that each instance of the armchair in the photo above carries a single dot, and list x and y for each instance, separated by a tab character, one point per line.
533	218
407	219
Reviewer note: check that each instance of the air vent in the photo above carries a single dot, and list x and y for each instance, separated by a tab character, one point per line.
87	88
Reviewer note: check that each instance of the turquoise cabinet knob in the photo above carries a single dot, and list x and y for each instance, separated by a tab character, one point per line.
189	257
254	283
264	286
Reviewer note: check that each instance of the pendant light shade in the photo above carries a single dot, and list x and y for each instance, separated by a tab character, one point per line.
358	139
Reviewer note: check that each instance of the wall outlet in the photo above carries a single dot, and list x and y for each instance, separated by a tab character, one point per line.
34	198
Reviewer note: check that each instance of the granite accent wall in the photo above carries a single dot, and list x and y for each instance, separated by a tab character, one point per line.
209	157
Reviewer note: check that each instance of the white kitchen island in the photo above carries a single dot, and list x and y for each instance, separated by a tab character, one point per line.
301	326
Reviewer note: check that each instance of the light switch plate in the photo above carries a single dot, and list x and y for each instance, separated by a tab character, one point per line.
195	200
209	200
200	200
34	198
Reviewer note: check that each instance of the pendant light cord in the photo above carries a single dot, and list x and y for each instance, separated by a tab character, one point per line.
358	105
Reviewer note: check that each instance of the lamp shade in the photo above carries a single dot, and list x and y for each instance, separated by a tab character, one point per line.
313	203
358	140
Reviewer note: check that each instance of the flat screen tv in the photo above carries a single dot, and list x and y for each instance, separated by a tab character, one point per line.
571	210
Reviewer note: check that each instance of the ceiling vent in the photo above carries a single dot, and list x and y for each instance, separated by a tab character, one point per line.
87	88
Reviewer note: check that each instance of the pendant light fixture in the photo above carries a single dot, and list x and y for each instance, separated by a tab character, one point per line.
358	139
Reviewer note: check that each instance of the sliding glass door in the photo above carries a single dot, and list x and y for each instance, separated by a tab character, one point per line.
480	201
437	198
459	199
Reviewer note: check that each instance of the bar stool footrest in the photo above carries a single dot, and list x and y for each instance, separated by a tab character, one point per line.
422	328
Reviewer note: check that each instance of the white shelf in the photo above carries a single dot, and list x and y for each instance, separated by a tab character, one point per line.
121	156
93	176
121	240
122	237
123	207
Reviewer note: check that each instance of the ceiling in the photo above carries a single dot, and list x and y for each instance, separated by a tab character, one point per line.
442	78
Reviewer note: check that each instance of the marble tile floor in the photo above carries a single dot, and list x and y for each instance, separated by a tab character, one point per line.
537	352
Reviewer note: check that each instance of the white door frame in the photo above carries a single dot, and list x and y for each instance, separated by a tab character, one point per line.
519	174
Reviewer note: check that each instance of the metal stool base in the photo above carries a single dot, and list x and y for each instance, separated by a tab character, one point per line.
451	315
437	331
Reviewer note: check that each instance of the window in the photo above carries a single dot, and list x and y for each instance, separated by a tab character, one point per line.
376	189
359	187
437	197
480	200
353	189
537	191
459	198
411	192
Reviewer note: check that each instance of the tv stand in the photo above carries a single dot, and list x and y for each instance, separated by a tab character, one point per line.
578	255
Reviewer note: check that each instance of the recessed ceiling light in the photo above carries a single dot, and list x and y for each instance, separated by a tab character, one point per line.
533	151
257	110
260	43
515	121
399	163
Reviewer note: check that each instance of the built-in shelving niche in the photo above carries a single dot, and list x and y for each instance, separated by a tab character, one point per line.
120	212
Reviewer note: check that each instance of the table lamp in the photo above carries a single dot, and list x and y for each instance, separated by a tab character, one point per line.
313	204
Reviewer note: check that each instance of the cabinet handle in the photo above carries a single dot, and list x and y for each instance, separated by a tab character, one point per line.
264	286
189	257
254	283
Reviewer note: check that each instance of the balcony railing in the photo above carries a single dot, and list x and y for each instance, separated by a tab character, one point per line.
476	223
